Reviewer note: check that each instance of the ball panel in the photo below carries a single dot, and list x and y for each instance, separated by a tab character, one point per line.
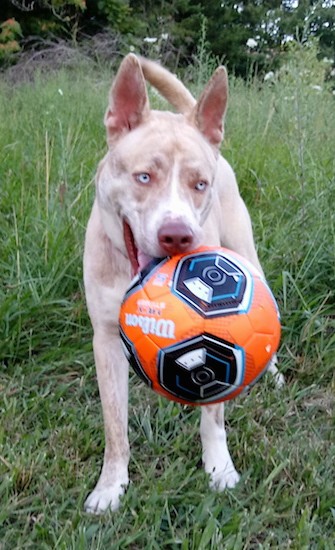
164	320
201	370
147	354
157	282
140	315
250	367
213	282
264	315
133	359
261	348
234	328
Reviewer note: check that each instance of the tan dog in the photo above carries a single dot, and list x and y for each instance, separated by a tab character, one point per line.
161	189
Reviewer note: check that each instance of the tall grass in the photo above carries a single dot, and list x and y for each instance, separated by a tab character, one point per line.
287	173
279	138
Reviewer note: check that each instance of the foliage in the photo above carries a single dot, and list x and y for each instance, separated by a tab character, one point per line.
249	36
231	24
117	14
178	22
10	32
51	139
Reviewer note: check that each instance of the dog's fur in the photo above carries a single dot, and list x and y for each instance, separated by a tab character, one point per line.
162	188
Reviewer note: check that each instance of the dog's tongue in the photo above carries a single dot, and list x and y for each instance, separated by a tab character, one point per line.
137	258
143	259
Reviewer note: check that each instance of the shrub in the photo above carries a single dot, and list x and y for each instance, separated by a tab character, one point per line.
9	35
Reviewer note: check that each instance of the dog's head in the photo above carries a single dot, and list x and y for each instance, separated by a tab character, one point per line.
155	185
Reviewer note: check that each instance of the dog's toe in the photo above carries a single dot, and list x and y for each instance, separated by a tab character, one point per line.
103	499
279	380
224	479
278	377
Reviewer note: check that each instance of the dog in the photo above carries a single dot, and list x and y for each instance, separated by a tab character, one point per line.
162	188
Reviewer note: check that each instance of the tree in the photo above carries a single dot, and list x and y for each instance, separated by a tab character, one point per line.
231	24
177	21
311	18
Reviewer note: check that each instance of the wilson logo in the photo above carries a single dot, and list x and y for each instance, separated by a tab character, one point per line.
165	328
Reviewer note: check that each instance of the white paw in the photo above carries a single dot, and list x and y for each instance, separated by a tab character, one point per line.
278	377
105	498
224	479
279	380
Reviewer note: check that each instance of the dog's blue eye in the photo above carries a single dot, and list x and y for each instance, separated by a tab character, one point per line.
200	186
143	178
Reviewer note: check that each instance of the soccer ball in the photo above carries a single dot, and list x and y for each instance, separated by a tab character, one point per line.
200	327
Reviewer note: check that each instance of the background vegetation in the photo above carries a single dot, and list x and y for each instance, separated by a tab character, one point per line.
248	36
280	139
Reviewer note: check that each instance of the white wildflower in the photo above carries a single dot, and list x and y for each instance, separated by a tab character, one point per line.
269	76
251	43
287	38
164	36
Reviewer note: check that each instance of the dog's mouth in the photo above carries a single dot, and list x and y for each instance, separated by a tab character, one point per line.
138	259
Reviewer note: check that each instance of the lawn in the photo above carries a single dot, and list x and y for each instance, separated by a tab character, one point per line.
280	139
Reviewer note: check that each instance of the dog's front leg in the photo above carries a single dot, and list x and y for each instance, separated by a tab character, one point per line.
112	372
215	454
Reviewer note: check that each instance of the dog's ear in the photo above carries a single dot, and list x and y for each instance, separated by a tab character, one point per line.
209	111
128	100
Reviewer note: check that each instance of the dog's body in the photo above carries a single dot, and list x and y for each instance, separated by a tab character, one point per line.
162	188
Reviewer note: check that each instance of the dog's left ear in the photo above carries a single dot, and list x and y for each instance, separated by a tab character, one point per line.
128	100
208	113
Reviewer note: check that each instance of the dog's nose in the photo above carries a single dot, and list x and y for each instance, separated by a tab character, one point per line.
175	237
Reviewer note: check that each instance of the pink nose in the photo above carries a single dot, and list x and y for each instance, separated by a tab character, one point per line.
175	237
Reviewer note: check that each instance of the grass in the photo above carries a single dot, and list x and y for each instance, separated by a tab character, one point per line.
280	140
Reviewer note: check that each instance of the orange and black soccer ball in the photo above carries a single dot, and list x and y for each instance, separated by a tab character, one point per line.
200	327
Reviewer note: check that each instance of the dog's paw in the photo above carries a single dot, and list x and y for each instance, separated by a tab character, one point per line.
217	460
222	472
279	379
224	479
104	498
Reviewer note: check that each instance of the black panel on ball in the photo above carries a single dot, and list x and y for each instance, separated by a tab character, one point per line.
201	369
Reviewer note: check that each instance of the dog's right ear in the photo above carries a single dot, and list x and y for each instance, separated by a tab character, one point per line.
128	100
